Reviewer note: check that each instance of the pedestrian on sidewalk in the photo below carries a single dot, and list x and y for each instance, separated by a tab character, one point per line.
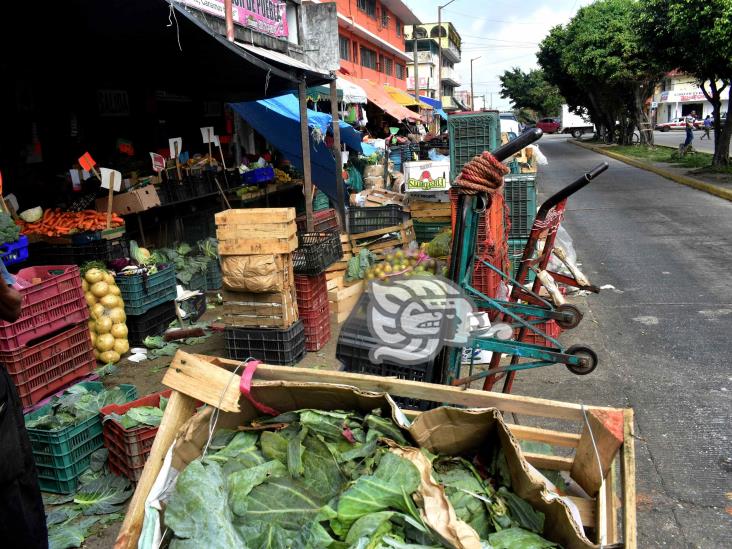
707	128
690	120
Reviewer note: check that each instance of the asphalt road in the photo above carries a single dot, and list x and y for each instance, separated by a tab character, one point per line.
673	138
663	336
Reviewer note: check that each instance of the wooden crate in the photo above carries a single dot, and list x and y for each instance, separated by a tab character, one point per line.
215	381
256	231
342	299
373	240
269	310
430	211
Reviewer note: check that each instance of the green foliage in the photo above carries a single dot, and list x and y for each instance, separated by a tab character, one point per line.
186	265
9	231
531	90
75	405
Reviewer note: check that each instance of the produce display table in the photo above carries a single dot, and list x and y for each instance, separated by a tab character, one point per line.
213	381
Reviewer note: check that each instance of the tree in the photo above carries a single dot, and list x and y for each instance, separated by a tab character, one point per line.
599	58
530	90
696	38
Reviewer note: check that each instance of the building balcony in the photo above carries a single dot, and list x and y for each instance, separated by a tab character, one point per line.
450	50
450	76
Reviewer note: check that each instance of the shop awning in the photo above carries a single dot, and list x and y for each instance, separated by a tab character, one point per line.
437	105
272	55
379	96
278	120
347	92
403	98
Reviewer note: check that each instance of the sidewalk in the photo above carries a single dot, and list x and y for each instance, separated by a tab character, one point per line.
677	174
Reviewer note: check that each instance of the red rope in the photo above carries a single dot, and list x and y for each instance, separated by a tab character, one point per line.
483	173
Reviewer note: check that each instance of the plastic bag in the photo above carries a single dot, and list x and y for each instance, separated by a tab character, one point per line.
355	181
434	155
540	158
565	241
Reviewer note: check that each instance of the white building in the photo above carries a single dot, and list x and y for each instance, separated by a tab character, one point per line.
678	95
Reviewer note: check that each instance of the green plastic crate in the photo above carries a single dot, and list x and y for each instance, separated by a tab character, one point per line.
515	252
197	282
520	193
141	295
425	231
62	455
470	135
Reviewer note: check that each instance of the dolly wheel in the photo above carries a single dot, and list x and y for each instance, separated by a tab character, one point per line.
589	360
575	316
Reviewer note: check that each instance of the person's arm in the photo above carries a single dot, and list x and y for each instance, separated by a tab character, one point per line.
10	301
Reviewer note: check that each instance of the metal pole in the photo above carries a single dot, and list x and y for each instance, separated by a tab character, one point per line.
416	63
340	191
305	140
472	93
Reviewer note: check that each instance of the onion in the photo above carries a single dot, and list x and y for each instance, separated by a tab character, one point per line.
100	289
105	342
97	311
93	276
109	357
117	315
90	299
119	331
109	301
104	325
121	346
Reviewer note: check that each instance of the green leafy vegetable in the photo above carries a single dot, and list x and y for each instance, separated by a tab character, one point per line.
517	538
154	342
440	245
9	231
75	405
103	496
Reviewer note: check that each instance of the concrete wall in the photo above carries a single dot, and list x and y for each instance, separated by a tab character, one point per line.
320	35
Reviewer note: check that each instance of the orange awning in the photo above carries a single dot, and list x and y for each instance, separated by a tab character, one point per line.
379	96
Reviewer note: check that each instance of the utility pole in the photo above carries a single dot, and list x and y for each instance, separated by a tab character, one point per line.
439	49
416	63
472	95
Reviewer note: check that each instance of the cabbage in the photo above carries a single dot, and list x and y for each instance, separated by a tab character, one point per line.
32	215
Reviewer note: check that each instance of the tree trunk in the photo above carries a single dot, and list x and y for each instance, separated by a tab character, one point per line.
641	119
722	135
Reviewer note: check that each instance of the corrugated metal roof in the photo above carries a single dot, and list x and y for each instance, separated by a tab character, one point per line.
281	58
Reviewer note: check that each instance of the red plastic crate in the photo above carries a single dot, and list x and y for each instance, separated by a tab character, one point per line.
317	328
549	327
312	292
46	367
54	303
129	448
322	221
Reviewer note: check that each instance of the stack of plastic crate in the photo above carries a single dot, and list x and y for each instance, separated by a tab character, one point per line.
49	346
129	448
62	455
149	302
312	305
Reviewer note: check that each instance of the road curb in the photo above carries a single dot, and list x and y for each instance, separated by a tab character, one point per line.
710	188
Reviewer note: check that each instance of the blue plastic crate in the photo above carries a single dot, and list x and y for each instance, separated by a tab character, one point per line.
515	252
141	294
258	176
15	252
470	135
520	193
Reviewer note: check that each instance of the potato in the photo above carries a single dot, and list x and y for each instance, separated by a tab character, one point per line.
93	336
90	299
117	315
100	289
109	301
109	357
104	325
84	285
93	276
108	278
119	331
97	311
121	346
114	290
105	342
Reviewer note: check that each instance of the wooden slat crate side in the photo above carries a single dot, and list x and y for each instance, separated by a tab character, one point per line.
255	215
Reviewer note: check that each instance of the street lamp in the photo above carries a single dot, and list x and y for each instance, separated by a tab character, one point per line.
439	49
472	95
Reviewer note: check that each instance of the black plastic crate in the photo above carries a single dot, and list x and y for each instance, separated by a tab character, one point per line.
201	184
283	347
352	350
316	252
213	275
152	323
98	250
194	307
363	220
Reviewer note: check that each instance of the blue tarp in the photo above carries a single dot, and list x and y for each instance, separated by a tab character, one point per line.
435	104
278	120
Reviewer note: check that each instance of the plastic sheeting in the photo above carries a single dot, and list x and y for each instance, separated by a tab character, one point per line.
278	120
437	105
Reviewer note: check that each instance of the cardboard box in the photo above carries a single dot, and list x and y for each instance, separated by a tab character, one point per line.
131	202
427	176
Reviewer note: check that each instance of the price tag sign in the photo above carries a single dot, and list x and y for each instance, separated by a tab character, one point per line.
207	134
216	141
176	146
158	162
87	162
111	178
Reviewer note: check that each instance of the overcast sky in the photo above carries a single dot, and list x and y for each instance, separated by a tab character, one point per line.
504	33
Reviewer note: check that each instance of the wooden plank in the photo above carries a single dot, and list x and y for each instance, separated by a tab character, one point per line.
273	230
586	508
342	294
334	283
611	505
330	275
337	266
250	216
471	398
243	321
204	381
601	440
376	232
249	246
345	305
437	217
179	409
340	317
543	461
628	474
548	436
